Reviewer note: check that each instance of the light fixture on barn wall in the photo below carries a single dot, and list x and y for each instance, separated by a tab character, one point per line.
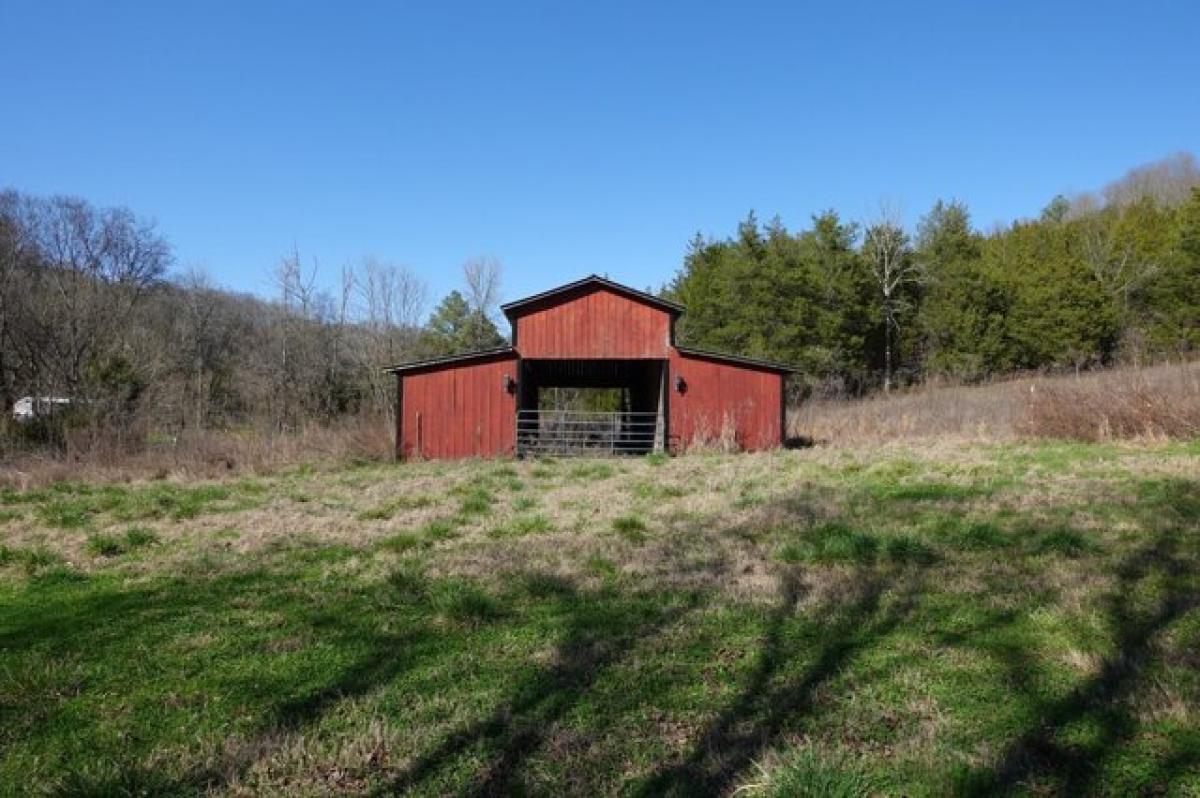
680	385
509	384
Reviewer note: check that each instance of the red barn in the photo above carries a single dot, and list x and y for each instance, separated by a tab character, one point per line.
590	334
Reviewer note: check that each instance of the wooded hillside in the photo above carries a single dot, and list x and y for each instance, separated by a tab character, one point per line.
1095	279
90	309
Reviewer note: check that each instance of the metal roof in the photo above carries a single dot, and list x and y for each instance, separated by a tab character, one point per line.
512	309
745	361
483	354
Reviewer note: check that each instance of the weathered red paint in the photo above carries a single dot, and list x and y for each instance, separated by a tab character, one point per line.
722	398
460	407
458	411
595	323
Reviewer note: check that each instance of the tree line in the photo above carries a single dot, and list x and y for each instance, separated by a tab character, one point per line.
1094	279
90	311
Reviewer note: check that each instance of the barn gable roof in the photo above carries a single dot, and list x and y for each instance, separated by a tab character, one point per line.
520	307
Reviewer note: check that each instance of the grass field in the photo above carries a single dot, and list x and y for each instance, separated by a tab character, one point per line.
931	619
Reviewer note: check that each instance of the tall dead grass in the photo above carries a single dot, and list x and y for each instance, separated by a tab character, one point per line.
203	454
1161	401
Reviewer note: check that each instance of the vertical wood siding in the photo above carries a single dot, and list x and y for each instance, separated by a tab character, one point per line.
596	324
746	399
459	411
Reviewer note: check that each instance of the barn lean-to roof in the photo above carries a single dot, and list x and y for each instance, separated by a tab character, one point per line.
481	356
705	354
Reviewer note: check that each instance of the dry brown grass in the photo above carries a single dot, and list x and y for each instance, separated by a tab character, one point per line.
203	455
1160	401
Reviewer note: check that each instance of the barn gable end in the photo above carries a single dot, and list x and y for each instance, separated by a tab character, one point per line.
593	318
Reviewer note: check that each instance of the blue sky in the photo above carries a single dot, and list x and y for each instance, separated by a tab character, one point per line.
567	138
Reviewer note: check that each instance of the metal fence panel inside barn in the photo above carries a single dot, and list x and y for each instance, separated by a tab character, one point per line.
562	432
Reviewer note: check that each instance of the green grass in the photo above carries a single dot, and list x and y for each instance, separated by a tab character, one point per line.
523	525
103	545
806	773
1018	619
385	511
630	527
657	490
831	543
72	505
475	500
435	531
592	471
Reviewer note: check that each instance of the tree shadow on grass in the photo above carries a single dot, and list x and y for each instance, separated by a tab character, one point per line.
598	633
111	630
770	702
1041	758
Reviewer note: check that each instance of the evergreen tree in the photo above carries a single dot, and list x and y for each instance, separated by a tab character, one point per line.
454	328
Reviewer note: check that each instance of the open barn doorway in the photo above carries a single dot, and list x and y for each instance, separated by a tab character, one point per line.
576	407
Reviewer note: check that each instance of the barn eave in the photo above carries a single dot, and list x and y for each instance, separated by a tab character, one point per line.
465	359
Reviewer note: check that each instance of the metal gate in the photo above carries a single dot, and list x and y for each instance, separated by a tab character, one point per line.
567	432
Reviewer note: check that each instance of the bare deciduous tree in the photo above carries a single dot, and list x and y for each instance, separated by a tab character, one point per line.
87	272
1113	258
482	276
886	248
393	300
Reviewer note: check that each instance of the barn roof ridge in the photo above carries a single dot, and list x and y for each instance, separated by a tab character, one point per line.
510	308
